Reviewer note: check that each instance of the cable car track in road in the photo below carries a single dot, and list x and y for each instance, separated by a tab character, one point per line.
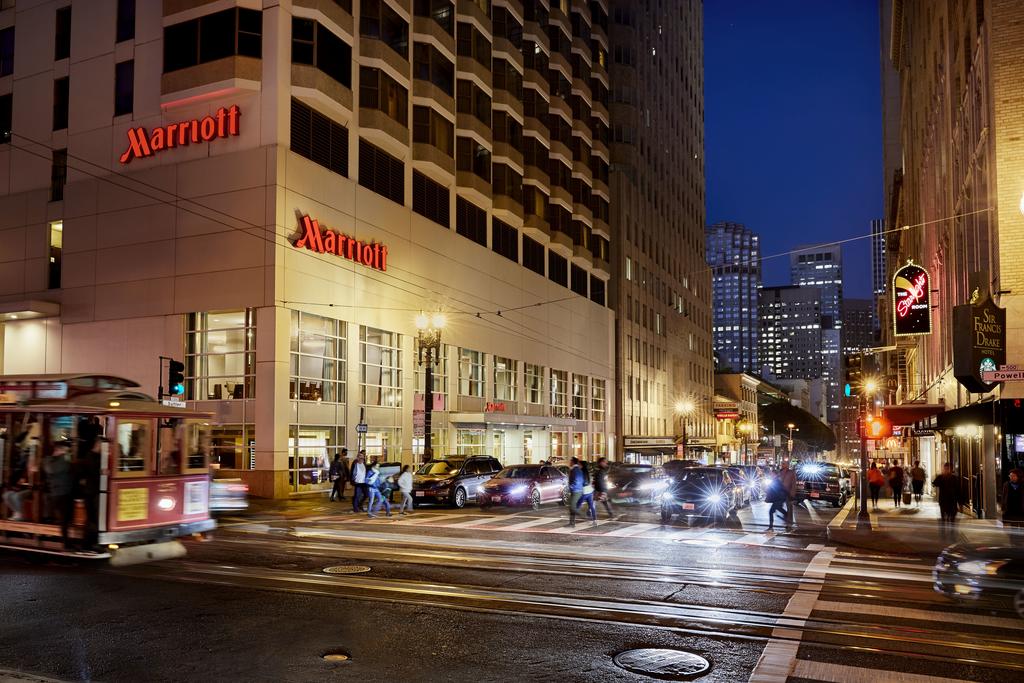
963	648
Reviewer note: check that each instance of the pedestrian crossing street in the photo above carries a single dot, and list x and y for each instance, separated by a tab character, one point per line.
530	522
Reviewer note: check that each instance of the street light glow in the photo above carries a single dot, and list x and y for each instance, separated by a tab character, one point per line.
437	320
422	321
684	407
871	385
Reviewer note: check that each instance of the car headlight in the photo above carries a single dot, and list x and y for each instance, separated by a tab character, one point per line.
518	490
979	567
667	497
653	485
714	498
812	469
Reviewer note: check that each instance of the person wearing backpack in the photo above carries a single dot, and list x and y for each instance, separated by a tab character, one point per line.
576	484
587	495
374	482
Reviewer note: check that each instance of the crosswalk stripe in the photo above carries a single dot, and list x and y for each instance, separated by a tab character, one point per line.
839	673
754	539
919	614
879	573
532	523
632	530
473	522
884	564
581	526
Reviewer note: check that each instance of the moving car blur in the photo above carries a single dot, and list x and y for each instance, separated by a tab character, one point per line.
700	492
531	485
228	495
635	483
987	575
822	481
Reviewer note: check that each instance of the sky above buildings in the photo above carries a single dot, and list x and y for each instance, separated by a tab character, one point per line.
793	132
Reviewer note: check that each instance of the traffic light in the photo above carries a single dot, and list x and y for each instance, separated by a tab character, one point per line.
853	375
175	377
876	427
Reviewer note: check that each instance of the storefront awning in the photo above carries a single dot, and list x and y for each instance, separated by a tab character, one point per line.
28	309
498	420
907	414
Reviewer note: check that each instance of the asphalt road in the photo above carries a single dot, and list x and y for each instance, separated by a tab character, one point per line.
498	595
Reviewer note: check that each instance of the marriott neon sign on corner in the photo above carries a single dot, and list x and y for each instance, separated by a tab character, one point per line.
221	124
325	241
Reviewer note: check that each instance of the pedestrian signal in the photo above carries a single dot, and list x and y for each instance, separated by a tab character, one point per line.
876	427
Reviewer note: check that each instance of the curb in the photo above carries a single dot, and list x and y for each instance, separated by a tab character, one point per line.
873	539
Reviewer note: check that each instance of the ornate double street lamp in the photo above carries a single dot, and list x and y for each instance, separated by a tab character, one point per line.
429	337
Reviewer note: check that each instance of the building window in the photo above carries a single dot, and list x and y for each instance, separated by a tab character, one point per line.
507	183
432	66
6	114
125	20
315	45
7	51
379	91
431	200
441	11
471	43
215	36
558	268
311	448
380	361
58	174
533	376
381	172
61	96
597	292
377	20
471	221
470	442
579	397
559	391
62	37
56	251
533	255
506	376
597	400
471	373
220	355
319	139
470	99
472	157
430	128
439	380
124	87
505	240
579	280
319	350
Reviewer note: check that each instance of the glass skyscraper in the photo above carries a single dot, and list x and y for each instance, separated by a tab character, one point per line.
734	255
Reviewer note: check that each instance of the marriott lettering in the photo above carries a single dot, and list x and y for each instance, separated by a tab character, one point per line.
223	123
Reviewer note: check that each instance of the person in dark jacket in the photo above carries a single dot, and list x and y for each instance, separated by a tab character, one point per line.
947	487
1012	502
601	487
338	474
60	487
896	483
587	496
576	484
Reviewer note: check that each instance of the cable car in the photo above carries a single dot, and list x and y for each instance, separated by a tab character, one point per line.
93	468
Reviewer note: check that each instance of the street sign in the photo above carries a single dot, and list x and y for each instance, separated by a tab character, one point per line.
361	428
992	376
173	403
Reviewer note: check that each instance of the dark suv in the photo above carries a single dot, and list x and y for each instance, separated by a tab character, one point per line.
823	481
452	480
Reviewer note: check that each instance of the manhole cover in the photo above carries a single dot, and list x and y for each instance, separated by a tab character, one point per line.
336	657
664	663
347	569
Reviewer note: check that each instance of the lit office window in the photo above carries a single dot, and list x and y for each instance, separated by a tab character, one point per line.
380	357
220	355
471	373
56	252
318	358
506	377
534	383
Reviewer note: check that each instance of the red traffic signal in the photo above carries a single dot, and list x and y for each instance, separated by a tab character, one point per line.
875	427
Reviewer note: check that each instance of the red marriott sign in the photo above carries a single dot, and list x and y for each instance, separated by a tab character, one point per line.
324	241
222	124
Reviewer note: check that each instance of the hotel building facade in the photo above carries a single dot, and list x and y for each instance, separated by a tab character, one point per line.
272	194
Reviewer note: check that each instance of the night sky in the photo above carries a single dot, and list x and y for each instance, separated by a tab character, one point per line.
793	125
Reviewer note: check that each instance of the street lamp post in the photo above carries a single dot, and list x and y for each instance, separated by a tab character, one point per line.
789	444
429	336
684	408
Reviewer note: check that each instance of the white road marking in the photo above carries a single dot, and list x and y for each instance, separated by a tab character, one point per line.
839	673
919	614
580	526
779	656
532	523
754	539
632	530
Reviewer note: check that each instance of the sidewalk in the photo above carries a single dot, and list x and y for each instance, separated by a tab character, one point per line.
910	529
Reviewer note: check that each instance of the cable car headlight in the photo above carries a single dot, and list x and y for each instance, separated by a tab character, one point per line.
166	503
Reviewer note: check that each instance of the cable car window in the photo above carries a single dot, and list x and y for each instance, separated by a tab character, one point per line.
170	444
132	445
60	428
198	446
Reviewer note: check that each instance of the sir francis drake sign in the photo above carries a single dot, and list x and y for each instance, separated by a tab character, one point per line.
325	241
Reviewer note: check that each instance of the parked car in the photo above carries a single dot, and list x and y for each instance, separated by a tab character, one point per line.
228	495
989	574
822	481
700	492
635	483
452	480
531	485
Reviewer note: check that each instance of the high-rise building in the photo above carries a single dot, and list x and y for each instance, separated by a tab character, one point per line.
734	255
822	268
271	191
789	338
858	335
878	269
661	285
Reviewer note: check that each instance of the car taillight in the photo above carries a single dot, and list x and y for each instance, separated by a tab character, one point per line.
238	488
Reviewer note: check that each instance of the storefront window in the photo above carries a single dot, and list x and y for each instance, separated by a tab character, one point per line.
597	398
579	397
383	444
380	356
579	445
559	391
559	444
534	378
471	373
232	447
600	444
470	442
311	449
506	375
439	442
318	354
220	360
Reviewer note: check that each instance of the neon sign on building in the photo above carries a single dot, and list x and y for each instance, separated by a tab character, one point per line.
221	124
325	241
911	301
